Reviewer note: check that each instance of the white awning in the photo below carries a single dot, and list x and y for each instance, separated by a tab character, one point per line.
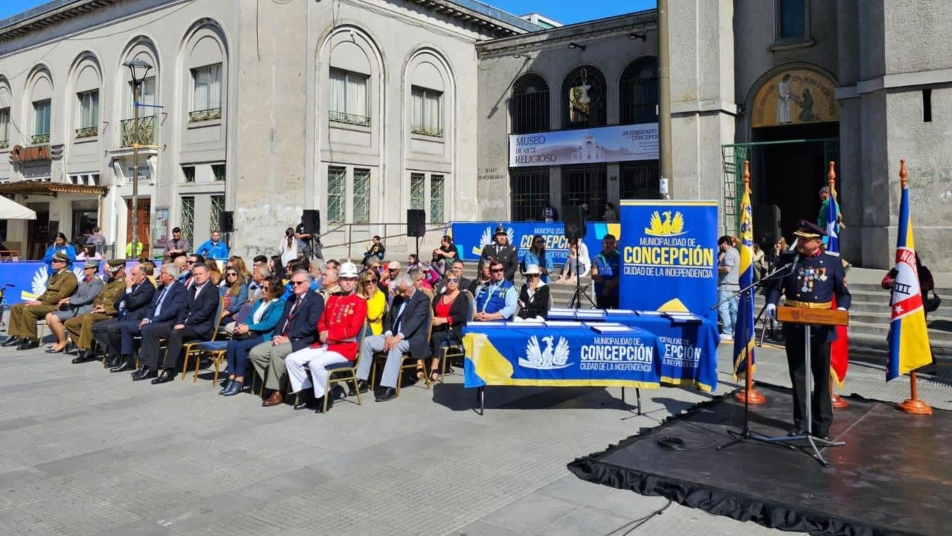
11	210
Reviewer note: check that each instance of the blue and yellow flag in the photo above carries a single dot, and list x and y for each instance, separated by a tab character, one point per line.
908	336
744	329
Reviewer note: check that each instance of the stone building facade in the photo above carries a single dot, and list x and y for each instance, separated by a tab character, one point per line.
360	109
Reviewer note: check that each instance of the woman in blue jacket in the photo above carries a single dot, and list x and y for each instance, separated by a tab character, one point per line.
259	328
59	244
538	256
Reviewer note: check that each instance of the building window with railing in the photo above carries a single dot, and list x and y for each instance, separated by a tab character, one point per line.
218	206
143	132
418	191
583	99
41	122
639	180
206	94
426	119
348	98
4	128
336	194
88	120
437	198
361	196
188	218
638	92
529	107
218	172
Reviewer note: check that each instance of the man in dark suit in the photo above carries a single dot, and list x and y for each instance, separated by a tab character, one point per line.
164	306
295	330
407	330
131	304
194	321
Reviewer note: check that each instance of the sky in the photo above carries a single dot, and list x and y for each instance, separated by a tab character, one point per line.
564	11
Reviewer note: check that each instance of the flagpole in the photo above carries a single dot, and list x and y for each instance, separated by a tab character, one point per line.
838	401
749	395
913	404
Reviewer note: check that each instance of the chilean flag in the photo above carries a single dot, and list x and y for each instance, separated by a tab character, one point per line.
839	350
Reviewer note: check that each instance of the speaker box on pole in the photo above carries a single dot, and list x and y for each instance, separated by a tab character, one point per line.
766	224
226	221
574	219
312	222
416	223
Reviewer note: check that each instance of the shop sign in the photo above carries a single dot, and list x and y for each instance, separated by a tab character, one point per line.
29	154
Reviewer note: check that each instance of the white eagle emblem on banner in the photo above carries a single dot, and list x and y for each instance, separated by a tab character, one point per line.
546	359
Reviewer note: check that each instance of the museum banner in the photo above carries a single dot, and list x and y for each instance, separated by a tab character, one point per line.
669	256
621	143
471	237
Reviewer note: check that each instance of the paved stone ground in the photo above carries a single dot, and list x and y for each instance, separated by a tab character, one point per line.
83	451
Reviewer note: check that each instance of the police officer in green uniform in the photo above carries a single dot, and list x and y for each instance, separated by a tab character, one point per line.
810	280
80	327
23	316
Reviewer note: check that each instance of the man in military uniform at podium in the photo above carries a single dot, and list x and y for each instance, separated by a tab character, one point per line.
810	280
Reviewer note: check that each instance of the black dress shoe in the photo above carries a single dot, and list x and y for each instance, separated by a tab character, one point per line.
796	432
361	386
12	340
112	362
338	393
29	344
83	357
226	386
123	366
388	394
144	373
166	376
234	388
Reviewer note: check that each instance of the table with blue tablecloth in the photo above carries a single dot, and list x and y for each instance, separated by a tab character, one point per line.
685	350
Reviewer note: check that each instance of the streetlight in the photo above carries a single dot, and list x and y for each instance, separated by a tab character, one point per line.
134	65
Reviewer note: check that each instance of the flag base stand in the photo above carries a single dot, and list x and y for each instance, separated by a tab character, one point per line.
839	402
914	405
754	397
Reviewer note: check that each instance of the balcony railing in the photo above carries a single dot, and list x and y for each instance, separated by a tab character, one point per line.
424	131
4	144
40	138
143	135
348	119
87	132
204	115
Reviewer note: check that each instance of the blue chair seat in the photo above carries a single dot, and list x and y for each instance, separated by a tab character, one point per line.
212	346
344	365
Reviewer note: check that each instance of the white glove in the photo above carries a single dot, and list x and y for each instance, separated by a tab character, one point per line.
771	311
841	308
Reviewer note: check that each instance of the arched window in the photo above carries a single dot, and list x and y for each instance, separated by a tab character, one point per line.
6	101
145	132
583	98
40	89
207	69
86	83
638	92
530	104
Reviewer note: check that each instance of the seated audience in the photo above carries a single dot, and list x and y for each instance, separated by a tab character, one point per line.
23	316
259	328
450	310
131	305
104	308
534	296
79	303
234	291
376	301
483	277
496	299
338	332
214	273
166	302
295	330
407	326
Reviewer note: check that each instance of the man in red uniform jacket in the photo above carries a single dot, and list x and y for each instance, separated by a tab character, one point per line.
338	330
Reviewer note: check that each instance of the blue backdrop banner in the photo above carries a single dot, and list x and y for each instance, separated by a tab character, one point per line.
669	254
31	277
472	237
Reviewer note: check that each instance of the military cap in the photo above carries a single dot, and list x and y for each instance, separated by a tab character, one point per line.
59	256
807	229
91	264
500	230
116	264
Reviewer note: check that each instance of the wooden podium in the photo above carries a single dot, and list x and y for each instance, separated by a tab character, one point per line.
812	317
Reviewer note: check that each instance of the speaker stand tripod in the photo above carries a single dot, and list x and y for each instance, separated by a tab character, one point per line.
575	301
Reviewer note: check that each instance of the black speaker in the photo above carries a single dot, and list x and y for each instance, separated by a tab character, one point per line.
574	219
312	222
226	221
766	224
416	223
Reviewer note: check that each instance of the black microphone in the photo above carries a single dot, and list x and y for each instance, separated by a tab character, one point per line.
796	261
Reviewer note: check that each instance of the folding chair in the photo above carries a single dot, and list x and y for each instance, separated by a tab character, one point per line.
188	347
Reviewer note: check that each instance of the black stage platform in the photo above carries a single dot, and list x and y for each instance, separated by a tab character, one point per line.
893	476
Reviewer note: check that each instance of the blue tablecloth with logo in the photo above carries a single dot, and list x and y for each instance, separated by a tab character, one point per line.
559	356
685	350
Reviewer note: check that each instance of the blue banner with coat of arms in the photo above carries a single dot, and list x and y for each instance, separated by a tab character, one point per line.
472	237
669	256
